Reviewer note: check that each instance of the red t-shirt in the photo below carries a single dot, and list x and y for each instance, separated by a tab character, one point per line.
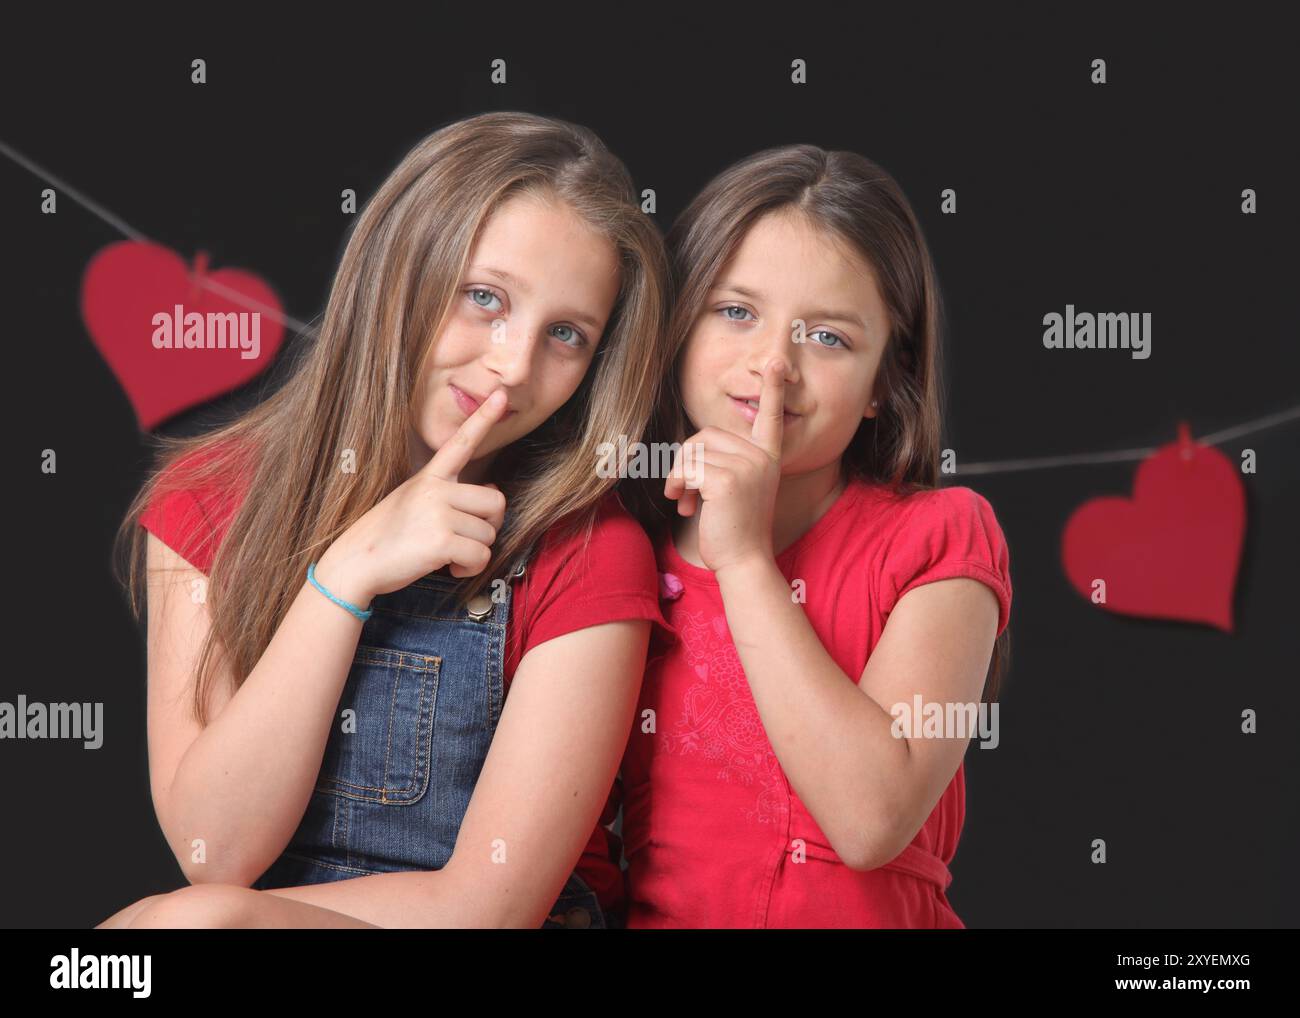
566	586
709	815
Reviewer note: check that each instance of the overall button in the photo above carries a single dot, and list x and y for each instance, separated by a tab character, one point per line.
480	606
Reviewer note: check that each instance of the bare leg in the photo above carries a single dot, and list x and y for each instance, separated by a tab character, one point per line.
121	920
230	907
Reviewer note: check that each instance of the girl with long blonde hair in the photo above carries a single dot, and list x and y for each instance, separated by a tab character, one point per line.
343	584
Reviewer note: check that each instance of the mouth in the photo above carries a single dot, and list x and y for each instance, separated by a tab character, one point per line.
747	407
469	402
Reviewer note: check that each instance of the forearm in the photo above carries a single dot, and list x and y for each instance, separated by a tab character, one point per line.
425	899
244	783
834	742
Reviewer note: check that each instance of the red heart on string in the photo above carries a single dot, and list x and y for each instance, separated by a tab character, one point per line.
129	282
1170	552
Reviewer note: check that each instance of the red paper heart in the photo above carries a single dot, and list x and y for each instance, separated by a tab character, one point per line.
1172	551
129	282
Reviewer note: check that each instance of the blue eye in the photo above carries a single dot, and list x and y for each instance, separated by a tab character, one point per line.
475	291
578	335
823	332
820	332
482	297
733	307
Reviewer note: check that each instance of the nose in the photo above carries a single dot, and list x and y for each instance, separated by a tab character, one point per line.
774	341
510	352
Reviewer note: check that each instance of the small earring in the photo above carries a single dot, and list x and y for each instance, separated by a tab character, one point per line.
875	403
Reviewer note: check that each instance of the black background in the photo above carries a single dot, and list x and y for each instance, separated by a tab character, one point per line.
1122	197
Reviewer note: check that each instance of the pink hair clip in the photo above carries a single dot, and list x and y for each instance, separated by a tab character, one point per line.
670	586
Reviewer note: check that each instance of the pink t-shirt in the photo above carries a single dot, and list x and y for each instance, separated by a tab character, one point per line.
709	815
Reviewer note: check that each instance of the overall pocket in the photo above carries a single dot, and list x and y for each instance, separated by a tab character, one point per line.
380	752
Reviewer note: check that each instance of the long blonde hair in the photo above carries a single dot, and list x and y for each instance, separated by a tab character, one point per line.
395	285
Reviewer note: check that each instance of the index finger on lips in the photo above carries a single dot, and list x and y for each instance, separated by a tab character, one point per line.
770	422
451	459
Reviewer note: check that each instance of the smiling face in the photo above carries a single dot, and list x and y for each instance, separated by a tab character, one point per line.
528	315
786	269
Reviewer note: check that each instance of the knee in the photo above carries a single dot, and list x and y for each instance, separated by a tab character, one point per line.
197	906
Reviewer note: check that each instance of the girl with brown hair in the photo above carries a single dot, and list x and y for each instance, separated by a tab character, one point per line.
821	584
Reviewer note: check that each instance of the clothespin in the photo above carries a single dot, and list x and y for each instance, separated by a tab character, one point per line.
196	276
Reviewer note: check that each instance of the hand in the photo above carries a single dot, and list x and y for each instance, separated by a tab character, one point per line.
736	479
428	521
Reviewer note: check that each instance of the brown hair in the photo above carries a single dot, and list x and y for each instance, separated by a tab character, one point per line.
855	201
353	388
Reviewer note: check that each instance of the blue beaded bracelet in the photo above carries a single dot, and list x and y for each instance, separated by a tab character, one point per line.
361	613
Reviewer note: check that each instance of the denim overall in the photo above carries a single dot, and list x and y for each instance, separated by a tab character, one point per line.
426	689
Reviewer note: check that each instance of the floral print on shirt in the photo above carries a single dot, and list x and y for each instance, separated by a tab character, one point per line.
719	721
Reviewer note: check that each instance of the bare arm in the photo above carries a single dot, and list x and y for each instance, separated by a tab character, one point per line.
869	791
832	733
242	783
230	796
545	781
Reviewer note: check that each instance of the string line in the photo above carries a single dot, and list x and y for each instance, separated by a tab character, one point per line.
988	467
1126	455
117	223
